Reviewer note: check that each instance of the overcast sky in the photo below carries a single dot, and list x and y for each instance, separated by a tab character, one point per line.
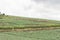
49	9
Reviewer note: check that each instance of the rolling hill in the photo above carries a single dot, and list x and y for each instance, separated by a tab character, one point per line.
24	22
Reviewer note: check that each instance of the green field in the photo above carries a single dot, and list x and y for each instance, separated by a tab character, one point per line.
31	35
24	22
13	22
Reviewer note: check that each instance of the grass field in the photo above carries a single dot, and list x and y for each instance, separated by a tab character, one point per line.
23	22
31	35
10	22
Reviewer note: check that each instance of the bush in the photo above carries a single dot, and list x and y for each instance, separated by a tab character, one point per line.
2	15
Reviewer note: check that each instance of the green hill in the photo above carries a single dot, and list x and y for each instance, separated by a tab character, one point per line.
24	22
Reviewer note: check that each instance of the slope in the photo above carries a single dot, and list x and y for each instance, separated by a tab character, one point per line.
24	22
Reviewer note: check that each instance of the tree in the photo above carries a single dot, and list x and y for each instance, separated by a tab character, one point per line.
2	15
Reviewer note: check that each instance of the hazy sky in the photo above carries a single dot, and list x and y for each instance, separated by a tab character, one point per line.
49	9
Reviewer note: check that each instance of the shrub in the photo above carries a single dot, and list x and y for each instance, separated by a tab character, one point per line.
2	15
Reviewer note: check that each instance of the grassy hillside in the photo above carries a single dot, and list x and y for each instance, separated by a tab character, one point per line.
31	35
23	22
7	22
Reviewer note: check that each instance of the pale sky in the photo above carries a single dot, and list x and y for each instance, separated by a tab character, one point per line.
49	9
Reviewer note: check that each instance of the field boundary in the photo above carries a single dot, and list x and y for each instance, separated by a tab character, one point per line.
28	29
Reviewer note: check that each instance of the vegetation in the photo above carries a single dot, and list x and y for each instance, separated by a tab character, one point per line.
31	35
23	22
13	22
2	15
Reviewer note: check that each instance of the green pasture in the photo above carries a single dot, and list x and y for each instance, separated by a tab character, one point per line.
12	22
23	22
31	35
